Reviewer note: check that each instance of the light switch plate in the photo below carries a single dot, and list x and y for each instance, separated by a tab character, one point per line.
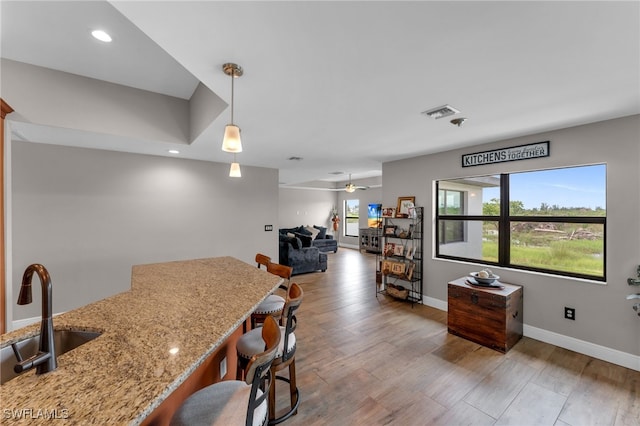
268	227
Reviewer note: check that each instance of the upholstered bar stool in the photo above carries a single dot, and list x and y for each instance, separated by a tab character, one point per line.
235	402
274	303
249	344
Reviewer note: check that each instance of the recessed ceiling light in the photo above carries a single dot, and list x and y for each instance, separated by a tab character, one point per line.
294	158
174	151
101	35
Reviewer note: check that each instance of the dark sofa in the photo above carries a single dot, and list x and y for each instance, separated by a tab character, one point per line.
301	259
326	244
296	248
323	241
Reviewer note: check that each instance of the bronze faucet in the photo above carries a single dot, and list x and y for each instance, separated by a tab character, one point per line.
45	359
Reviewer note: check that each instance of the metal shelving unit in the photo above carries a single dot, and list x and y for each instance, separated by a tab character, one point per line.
399	265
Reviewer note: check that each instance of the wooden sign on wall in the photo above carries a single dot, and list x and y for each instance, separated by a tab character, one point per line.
516	153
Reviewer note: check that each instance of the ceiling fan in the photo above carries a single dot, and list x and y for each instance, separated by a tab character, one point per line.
350	187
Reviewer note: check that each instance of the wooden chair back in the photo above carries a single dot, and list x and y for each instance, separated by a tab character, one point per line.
294	299
258	372
282	271
262	260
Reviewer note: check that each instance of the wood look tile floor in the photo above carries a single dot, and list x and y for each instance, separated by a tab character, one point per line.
363	360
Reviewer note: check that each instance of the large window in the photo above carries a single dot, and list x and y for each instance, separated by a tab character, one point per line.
548	220
450	202
352	218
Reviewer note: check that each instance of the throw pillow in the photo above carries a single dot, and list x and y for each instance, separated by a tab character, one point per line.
314	232
323	232
295	242
302	230
306	239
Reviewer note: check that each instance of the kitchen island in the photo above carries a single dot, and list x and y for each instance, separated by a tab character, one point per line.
176	316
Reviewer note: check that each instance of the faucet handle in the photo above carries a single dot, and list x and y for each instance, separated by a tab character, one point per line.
31	362
16	352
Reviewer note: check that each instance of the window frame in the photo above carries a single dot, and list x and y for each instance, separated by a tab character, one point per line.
442	239
505	219
347	217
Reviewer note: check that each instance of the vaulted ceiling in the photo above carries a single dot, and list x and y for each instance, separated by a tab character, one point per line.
343	85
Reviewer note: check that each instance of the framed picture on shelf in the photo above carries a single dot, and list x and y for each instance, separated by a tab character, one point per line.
412	212
389	249
390	230
388	212
398	250
411	251
404	203
386	267
410	268
397	268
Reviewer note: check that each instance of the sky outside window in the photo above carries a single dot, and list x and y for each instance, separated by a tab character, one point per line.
583	186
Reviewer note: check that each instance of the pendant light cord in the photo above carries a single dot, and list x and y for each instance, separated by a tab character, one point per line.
233	75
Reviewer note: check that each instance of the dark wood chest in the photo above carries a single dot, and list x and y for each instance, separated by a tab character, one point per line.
490	317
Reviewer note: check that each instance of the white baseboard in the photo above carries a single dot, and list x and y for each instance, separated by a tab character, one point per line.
613	356
351	246
586	348
435	303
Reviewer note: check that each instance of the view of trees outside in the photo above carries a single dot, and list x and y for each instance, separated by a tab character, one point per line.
559	246
563	205
352	218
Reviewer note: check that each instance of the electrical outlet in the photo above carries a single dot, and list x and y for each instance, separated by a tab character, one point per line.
268	227
570	313
223	367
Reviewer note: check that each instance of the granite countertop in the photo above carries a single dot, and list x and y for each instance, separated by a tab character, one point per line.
123	375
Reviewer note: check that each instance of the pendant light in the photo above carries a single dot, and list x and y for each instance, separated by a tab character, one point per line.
231	141
234	170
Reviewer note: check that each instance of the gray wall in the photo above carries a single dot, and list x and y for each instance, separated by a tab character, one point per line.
305	207
312	207
603	315
89	215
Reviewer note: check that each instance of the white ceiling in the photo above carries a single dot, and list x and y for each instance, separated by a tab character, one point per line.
343	84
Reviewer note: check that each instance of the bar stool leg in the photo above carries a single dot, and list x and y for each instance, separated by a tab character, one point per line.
294	395
272	397
293	389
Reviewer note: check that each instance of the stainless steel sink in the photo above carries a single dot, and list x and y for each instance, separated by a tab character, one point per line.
65	340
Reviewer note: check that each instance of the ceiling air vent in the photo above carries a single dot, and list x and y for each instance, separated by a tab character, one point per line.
441	111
